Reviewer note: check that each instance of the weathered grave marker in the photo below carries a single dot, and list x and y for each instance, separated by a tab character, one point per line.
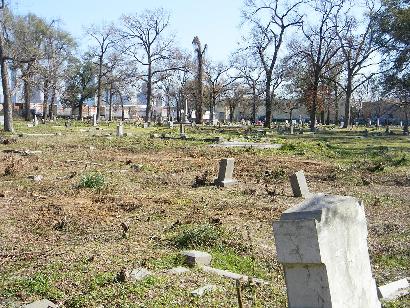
120	130
322	245
225	173
299	185
195	257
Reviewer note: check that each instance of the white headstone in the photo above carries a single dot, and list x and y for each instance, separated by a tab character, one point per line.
120	130
322	245
94	119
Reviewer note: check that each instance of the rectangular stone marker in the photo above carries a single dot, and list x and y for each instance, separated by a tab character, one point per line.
120	130
195	257
322	245
145	125
299	185
225	173
94	119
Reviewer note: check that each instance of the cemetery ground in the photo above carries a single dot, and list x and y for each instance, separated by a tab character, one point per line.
78	205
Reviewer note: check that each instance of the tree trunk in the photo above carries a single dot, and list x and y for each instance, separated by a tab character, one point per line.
99	88
149	94
45	100
322	117
110	103
268	101
231	112
53	100
122	108
254	102
328	114
7	106
80	109
336	106
347	101
406	122
27	115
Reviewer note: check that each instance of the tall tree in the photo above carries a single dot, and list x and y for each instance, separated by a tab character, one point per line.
80	84
358	50
144	39
318	50
105	40
199	93
5	57
251	74
218	82
270	21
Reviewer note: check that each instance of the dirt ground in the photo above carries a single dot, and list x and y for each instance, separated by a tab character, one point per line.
61	236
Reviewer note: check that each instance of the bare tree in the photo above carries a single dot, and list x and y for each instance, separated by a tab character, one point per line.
5	56
318	51
143	38
358	49
105	39
251	74
267	36
218	83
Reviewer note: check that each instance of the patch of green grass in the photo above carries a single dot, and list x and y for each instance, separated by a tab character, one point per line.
393	261
227	259
40	284
92	180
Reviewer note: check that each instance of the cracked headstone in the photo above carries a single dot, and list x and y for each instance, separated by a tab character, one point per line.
322	245
195	257
299	185
225	173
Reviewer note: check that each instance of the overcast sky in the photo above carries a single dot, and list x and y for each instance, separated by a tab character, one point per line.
216	22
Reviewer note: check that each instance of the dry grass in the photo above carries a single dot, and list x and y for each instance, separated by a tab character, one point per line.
65	243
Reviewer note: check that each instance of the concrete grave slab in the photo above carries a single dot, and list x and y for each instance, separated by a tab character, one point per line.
322	245
394	290
254	145
139	274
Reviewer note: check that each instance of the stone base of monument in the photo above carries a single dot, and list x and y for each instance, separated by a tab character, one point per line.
225	183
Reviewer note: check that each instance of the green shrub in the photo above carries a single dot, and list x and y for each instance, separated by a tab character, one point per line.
92	180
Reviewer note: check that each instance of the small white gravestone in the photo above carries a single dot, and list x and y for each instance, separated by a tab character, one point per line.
195	257
35	121
120	130
225	173
322	245
299	185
